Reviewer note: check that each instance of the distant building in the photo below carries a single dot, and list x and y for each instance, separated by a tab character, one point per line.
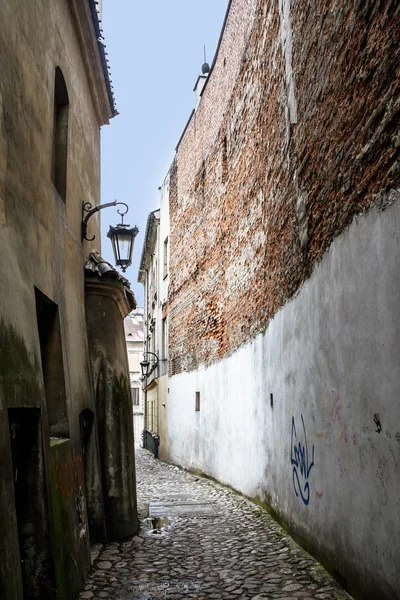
154	275
134	337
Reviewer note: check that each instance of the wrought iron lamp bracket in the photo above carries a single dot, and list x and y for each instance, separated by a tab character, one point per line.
87	208
146	363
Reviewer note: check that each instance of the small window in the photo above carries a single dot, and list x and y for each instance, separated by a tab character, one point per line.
60	135
197	407
165	257
134	360
164	348
135	396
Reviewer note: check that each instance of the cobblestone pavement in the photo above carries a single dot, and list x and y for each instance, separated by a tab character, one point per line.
226	547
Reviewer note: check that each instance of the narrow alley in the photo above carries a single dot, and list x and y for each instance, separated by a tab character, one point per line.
203	541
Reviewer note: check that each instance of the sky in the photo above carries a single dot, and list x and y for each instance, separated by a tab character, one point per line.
155	49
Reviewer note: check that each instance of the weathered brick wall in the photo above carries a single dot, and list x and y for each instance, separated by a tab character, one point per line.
256	200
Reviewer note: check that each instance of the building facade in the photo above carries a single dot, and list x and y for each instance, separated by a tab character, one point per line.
134	338
284	286
154	275
55	463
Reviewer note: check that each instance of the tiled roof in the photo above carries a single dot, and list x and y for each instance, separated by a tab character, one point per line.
97	265
134	326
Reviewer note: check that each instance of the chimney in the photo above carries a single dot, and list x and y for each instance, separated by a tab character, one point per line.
201	80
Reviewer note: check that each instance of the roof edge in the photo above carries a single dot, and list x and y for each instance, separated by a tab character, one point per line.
91	40
148	243
221	35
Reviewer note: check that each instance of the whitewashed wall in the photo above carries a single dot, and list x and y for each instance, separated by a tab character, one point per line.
331	359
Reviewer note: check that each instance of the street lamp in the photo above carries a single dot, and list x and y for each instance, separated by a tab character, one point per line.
122	235
122	239
146	366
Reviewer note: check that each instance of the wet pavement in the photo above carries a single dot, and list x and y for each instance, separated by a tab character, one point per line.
201	540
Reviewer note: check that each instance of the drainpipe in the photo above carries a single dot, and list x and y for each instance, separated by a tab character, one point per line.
146	349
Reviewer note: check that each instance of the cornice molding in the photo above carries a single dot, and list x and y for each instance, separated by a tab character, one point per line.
150	238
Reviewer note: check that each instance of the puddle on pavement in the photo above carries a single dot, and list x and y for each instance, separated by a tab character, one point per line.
156	526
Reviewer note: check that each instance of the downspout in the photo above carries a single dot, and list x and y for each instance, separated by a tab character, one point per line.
146	349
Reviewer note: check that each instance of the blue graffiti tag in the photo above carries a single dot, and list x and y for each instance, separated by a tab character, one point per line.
299	459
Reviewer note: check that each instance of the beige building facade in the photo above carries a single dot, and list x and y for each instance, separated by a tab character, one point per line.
55	94
154	275
134	338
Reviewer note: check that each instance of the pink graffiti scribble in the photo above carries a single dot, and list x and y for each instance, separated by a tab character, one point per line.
344	433
341	467
335	412
319	495
354	438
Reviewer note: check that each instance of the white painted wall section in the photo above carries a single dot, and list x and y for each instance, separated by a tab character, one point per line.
327	454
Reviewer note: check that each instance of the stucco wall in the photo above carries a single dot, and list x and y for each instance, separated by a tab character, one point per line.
40	245
331	360
162	388
40	242
106	307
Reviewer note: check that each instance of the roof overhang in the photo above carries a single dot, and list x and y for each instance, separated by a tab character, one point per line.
87	24
149	243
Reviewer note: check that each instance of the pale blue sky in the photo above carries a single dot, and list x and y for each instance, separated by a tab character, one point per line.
156	52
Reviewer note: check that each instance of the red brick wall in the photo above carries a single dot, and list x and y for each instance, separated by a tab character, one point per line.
248	227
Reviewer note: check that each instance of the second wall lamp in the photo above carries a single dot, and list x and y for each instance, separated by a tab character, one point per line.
122	235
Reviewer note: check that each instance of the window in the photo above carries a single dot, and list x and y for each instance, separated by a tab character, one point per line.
165	257
164	348
60	135
153	338
133	361
197	405
48	323
135	396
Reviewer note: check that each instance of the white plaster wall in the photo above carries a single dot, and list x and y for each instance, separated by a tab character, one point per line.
138	426
332	357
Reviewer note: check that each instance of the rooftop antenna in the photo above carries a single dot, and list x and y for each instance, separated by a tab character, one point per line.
205	69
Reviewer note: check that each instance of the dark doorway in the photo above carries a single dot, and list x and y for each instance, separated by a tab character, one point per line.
52	364
31	504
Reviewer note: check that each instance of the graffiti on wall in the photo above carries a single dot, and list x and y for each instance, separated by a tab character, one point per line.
302	462
69	476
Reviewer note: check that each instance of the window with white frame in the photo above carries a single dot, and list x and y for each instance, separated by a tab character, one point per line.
135	396
165	258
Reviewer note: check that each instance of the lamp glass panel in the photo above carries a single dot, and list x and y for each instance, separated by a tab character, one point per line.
124	243
144	365
115	248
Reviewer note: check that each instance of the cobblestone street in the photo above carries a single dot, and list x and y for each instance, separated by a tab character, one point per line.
216	545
